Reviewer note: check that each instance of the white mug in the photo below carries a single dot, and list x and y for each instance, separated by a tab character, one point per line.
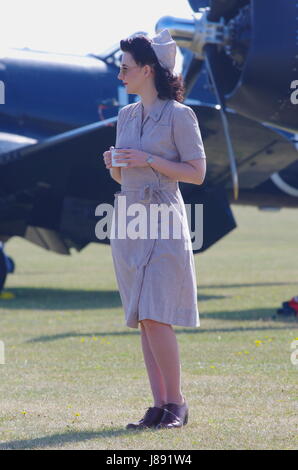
114	152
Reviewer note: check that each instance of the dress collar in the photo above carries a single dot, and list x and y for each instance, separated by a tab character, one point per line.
155	110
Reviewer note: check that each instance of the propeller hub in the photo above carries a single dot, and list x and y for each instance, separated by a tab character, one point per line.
195	34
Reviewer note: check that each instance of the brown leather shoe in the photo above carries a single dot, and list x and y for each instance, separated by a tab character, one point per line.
175	416
151	418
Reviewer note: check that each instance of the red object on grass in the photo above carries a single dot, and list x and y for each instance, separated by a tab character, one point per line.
293	303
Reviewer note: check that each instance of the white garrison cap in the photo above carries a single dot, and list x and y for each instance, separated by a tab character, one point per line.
165	49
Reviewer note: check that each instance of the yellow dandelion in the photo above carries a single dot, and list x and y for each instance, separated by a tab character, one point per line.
213	367
77	414
7	295
24	412
82	340
258	342
246	352
104	340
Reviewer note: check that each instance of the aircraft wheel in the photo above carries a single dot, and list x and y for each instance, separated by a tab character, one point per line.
10	264
3	270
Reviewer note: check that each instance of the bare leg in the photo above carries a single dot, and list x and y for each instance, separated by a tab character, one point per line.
163	343
155	377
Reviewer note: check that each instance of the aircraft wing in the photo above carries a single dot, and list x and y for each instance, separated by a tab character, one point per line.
10	141
38	179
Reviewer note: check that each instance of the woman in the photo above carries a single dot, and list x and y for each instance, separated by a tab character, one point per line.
161	144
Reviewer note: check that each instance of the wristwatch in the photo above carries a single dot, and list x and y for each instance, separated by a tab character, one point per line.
150	159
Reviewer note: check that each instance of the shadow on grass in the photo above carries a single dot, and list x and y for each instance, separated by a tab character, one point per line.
78	299
60	439
251	284
253	314
68	299
60	299
263	316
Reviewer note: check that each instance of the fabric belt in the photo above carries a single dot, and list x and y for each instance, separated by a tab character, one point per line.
147	191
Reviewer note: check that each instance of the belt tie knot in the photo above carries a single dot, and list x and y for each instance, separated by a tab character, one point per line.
146	193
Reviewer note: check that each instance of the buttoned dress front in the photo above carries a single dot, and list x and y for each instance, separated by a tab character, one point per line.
156	276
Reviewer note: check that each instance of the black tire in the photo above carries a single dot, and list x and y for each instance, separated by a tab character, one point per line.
11	264
3	270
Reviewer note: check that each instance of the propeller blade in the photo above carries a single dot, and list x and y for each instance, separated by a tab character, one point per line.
220	98
191	73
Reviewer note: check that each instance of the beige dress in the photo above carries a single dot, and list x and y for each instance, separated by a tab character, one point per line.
156	275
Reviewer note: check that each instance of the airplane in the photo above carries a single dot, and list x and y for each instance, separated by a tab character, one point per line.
59	115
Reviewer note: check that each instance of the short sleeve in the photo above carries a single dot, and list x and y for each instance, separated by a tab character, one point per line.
119	125
187	134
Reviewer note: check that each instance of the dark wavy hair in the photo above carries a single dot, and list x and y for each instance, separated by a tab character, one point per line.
168	86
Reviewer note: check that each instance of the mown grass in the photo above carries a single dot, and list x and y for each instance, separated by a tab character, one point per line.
74	373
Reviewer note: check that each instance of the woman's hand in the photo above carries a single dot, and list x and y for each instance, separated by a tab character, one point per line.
133	158
107	156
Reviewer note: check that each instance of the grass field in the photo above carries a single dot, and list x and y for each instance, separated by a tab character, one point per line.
74	374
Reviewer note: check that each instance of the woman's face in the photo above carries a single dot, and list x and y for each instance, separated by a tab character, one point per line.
132	75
